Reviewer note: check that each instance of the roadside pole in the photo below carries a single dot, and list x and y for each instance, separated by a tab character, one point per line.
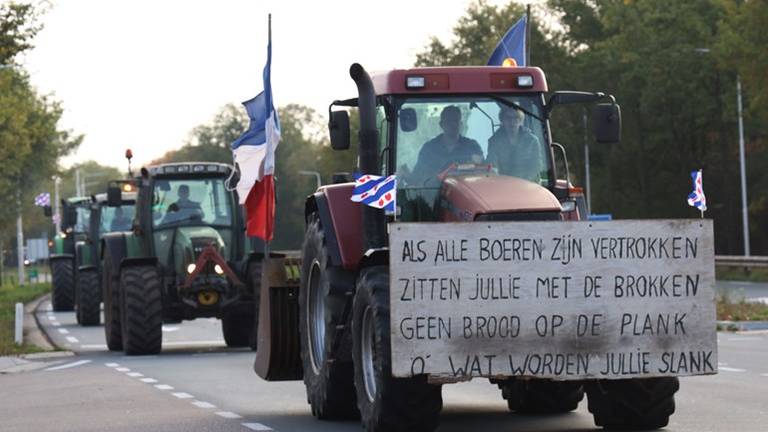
586	165
57	216
742	164
19	329
20	239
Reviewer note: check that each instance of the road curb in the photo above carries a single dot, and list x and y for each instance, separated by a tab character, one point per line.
36	333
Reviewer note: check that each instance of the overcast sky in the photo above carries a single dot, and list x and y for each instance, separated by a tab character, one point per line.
142	74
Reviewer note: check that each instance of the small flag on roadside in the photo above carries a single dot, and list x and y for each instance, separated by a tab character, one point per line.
43	200
375	191
697	198
56	218
511	46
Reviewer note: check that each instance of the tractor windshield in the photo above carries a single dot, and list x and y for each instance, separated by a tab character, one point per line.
439	136
114	219
202	201
83	219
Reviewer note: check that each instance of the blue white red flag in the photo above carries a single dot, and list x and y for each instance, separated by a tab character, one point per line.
511	46
254	155
43	199
697	198
375	191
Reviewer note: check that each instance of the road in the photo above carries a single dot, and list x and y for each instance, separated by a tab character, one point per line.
736	290
197	384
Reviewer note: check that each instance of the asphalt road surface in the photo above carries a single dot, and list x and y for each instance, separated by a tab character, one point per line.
751	291
197	384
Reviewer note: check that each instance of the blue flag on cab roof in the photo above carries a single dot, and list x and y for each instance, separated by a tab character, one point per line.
511	46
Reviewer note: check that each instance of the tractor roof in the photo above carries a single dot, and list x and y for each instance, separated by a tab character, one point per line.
189	168
459	80
128	197
77	200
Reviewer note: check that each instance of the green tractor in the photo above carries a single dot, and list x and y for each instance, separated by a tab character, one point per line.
186	257
103	219
74	227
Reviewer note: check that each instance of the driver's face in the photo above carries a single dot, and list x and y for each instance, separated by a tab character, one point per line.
183	193
451	123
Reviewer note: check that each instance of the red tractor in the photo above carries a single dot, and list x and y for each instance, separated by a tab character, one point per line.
467	144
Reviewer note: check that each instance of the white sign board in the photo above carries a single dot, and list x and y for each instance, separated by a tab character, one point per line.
559	300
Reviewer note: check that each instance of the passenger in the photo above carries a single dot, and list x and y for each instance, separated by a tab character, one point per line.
450	147
513	149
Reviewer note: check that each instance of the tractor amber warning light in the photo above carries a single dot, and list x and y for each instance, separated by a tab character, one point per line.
127	187
415	82
509	62
525	81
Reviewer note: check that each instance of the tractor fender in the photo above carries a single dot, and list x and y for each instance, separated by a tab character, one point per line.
342	223
138	261
61	256
375	257
88	267
83	254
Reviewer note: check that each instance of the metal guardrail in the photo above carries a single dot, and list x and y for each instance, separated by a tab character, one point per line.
741	261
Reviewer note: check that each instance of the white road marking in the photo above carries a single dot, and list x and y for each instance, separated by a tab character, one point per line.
72	339
765	374
201	404
55	323
744	339
148	380
96	346
228	414
163	387
112	365
722	364
63	331
183	343
169	329
51	317
730	369
123	369
183	395
135	374
48	307
69	365
257	427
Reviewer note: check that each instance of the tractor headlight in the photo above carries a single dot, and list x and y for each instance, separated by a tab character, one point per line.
191	268
217	268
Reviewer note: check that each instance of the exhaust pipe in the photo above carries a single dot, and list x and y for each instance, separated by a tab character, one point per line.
374	222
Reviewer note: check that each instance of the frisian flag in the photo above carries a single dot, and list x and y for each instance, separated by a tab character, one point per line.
254	155
43	199
375	191
697	198
511	46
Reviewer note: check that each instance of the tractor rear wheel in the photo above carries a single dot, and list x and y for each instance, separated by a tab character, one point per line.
88	298
386	403
63	296
632	404
237	328
110	285
541	396
330	390
142	310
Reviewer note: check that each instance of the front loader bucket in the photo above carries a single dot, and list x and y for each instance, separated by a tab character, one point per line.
278	357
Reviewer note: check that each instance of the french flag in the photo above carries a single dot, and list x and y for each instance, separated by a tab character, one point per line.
254	155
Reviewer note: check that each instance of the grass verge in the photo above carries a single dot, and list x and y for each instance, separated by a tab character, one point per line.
742	310
737	274
11	294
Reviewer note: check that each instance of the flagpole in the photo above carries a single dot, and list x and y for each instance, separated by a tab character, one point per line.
528	35
701	176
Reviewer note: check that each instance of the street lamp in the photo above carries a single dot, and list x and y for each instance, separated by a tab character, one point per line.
315	174
742	163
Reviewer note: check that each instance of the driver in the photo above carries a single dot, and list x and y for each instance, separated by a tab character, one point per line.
120	222
447	148
513	149
184	208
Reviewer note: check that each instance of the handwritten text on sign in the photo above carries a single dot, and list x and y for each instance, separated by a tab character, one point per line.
561	300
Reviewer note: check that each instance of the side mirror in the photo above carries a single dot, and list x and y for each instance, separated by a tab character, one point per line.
70	216
47	211
607	123
341	177
114	196
408	120
338	128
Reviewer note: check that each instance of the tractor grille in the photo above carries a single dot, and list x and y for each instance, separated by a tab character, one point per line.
518	217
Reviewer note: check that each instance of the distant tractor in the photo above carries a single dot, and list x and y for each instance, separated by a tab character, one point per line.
103	219
185	257
441	131
74	228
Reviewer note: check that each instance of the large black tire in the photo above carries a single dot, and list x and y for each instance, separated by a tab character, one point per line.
541	396
237	329
330	390
110	285
386	404
63	296
88	298
254	281
142	310
632	404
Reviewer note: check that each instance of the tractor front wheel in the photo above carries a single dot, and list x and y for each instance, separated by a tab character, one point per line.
237	328
385	403
142	310
88	298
